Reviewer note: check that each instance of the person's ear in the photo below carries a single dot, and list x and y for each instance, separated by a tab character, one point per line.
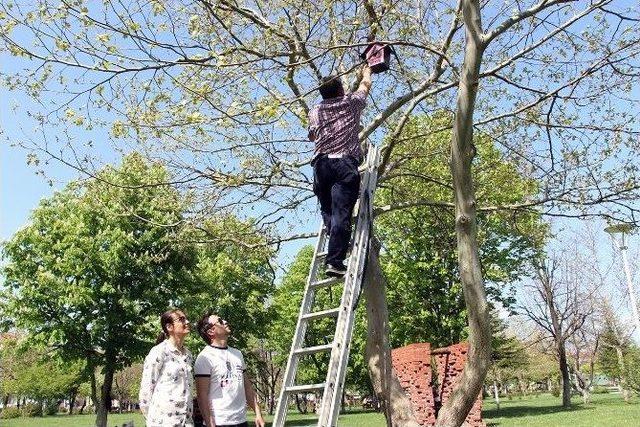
170	327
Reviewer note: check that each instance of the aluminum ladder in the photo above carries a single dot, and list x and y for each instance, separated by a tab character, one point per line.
345	313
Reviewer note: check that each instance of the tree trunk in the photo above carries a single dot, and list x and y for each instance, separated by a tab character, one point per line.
72	402
455	409
623	375
94	389
301	404
566	379
396	404
496	394
104	403
524	387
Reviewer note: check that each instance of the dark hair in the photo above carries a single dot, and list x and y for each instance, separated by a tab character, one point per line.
165	320
204	325
331	87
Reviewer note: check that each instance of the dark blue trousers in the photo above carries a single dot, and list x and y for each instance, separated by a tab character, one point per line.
336	183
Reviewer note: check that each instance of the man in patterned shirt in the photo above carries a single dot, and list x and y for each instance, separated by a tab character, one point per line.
334	126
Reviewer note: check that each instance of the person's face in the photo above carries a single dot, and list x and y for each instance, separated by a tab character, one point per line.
220	327
180	325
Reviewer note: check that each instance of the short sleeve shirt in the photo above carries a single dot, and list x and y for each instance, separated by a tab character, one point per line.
224	366
165	389
335	124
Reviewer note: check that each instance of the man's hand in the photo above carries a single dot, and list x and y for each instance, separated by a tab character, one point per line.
259	421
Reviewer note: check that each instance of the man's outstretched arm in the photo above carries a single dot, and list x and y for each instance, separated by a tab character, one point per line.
365	83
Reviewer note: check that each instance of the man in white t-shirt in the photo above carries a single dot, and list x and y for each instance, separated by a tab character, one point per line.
222	384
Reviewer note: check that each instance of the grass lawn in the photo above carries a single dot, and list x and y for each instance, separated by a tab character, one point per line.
606	410
354	419
546	411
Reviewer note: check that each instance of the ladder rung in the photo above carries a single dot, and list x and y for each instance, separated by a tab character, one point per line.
325	313
314	349
322	255
305	387
327	282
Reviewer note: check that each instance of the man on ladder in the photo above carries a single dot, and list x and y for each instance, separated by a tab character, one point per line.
334	126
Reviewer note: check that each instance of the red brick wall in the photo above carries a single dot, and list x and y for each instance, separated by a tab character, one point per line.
412	365
450	363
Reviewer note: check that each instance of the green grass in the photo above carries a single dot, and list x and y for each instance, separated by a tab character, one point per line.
606	410
546	411
355	419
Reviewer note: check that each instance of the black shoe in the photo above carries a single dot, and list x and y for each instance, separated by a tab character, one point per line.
336	270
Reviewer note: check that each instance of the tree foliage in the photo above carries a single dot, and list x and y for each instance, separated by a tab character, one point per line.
96	262
420	257
36	372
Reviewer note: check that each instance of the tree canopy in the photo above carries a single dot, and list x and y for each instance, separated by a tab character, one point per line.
419	257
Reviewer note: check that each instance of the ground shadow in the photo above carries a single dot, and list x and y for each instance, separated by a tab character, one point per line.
525	411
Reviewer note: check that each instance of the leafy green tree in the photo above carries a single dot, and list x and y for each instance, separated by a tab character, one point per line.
632	363
96	263
235	278
419	257
37	373
126	386
508	357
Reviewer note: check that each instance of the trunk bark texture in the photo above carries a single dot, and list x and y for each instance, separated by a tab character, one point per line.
454	411
396	403
94	389
104	403
566	379
623	373
72	402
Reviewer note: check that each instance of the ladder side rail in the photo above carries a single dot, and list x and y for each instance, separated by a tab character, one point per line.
329	391
298	338
344	326
342	363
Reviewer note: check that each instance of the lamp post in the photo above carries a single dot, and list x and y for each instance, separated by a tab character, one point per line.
623	230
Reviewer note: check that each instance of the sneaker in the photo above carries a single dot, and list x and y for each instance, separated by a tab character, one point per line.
336	270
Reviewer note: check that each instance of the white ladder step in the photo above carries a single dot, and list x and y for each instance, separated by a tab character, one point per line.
314	349
323	254
333	312
326	282
304	387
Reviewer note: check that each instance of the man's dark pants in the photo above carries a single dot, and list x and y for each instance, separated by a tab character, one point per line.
336	182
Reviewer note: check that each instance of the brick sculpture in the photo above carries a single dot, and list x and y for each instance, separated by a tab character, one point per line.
412	365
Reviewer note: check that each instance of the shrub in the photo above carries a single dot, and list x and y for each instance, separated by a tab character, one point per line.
32	410
600	390
555	391
10	412
51	407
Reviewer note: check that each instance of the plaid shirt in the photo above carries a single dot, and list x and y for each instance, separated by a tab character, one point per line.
334	123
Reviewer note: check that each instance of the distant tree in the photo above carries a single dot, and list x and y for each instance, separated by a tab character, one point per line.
126	386
508	357
556	306
35	372
615	346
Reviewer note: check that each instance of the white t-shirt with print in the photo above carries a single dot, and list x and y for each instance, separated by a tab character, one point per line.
225	368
